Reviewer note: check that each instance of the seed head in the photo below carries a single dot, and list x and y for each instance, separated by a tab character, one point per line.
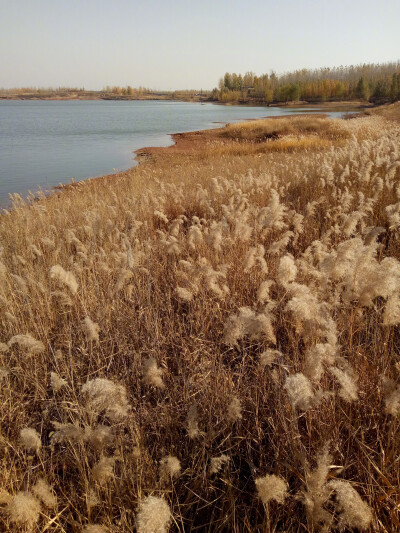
170	467
271	487
28	343
56	382
352	511
234	412
64	278
217	463
103	471
152	374
300	391
24	509
44	493
154	515
106	397
91	329
30	439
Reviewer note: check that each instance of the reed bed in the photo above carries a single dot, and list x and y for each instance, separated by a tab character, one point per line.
209	344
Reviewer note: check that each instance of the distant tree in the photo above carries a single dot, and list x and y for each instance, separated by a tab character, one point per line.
273	78
235	86
382	81
215	94
381	91
269	95
362	89
248	79
340	90
228	81
294	92
395	88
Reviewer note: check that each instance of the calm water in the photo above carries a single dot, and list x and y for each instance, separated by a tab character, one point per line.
43	144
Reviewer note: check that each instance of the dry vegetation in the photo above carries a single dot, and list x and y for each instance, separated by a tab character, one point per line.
275	128
209	344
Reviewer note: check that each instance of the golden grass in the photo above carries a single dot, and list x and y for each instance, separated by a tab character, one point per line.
266	129
287	144
210	343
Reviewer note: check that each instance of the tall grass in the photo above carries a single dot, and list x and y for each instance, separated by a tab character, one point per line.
208	344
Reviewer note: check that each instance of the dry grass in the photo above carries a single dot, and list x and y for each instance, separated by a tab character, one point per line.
390	112
266	129
286	144
207	344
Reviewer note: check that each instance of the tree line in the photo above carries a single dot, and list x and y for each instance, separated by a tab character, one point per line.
377	83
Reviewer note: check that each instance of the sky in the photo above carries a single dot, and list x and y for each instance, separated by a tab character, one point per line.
186	44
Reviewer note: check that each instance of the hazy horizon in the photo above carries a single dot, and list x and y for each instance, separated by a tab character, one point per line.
186	45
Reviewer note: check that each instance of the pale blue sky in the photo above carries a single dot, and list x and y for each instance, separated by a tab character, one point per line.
171	44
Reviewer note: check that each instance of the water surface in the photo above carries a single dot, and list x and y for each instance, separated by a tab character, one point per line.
44	143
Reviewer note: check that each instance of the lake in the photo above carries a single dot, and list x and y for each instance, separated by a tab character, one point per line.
44	143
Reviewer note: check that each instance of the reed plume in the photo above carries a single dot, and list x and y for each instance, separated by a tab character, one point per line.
154	515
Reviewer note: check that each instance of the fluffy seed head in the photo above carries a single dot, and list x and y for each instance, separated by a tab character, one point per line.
271	487
64	278
217	463
152	374
269	356
391	315
28	343
170	467
44	493
349	389
391	393
30	439
352	510
300	391
184	294
56	382
263	295
154	515
92	499
106	397
91	329
287	270
24	509
248	322
103	471
100	437
234	412
5	497
317	492
67	433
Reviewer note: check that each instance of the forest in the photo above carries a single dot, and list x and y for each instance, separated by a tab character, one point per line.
375	83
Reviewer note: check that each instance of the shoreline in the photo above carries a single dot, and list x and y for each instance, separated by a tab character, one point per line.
193	142
184	144
351	104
